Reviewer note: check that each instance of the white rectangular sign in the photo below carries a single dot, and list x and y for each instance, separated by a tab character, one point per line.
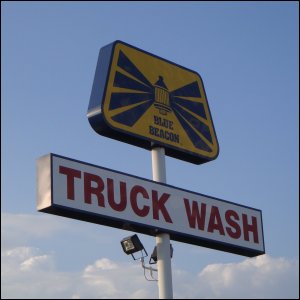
99	195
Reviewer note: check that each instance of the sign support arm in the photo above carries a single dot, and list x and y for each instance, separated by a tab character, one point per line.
163	239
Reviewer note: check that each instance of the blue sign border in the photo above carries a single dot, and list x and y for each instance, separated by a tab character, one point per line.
101	126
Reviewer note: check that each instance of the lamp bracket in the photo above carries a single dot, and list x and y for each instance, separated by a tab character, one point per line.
149	269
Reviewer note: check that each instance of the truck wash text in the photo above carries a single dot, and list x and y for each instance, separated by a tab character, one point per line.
145	202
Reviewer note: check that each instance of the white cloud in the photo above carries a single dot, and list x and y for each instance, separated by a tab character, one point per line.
29	272
102	264
108	279
24	259
34	262
17	229
260	277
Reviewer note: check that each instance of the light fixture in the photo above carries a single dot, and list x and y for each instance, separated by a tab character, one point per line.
153	258
132	244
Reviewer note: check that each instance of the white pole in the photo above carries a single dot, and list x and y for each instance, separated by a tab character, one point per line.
165	288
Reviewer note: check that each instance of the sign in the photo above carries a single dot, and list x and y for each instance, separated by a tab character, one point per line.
79	190
145	100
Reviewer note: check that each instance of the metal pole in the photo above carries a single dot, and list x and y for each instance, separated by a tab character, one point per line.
165	288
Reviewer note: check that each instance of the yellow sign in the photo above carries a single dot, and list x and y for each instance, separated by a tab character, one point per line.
153	99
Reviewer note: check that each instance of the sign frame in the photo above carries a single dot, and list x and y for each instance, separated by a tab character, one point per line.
102	125
45	189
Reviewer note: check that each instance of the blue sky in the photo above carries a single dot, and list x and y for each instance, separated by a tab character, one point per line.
248	57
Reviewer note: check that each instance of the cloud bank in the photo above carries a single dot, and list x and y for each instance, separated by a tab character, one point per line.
29	272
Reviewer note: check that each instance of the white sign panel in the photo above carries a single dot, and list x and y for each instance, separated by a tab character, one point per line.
99	195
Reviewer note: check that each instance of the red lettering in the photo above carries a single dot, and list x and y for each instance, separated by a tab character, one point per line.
159	205
133	200
228	217
111	198
96	190
247	227
194	216
215	222
71	174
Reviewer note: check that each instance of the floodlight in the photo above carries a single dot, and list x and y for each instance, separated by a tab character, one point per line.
132	244
153	258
